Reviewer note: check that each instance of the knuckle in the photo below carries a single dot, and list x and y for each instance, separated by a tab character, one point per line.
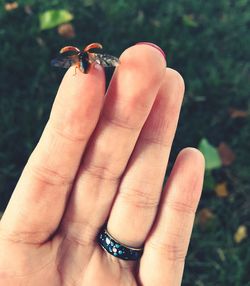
100	172
120	122
68	133
85	237
48	175
157	142
120	116
171	251
24	237
138	198
181	207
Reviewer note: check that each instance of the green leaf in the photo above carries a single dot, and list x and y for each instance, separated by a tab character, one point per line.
211	155
53	18
209	181
188	20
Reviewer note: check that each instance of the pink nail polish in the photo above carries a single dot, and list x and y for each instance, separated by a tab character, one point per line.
154	46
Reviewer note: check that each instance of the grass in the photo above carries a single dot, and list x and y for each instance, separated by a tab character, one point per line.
207	42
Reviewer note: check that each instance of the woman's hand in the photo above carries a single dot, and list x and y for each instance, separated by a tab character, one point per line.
103	159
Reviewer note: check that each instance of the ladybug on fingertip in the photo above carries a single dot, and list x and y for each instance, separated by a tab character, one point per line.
82	59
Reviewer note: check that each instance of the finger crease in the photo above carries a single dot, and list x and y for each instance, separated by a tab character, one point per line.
25	237
49	176
120	123
68	135
100	172
171	251
139	199
155	141
180	207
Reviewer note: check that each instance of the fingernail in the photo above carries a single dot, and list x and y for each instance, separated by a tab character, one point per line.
154	46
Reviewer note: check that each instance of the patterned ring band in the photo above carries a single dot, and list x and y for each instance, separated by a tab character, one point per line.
117	249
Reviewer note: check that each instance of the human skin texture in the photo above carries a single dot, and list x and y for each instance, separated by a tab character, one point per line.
102	159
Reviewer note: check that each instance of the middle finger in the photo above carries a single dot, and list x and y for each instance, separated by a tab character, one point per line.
137	200
130	97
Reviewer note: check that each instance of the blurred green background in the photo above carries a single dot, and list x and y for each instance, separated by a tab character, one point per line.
206	41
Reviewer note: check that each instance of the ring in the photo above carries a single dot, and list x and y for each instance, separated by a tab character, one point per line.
117	249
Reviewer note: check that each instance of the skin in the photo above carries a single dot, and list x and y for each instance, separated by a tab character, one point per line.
103	159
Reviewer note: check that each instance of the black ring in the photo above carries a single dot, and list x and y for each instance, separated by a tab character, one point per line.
117	249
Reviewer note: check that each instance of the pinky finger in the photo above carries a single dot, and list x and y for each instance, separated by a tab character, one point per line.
167	243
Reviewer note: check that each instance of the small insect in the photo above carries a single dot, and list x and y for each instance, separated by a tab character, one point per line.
83	59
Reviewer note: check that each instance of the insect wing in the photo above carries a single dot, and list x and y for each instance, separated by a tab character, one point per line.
103	60
64	62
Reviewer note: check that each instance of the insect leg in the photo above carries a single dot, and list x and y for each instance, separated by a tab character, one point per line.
77	66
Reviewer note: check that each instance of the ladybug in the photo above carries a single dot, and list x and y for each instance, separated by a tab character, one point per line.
83	59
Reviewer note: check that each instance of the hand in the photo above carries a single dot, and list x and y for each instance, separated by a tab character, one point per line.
103	159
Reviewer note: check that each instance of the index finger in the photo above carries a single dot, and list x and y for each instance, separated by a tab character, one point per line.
51	168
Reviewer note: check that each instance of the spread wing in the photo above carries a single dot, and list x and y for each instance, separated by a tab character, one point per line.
104	60
65	62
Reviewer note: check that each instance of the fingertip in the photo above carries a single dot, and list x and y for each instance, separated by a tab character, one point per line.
75	83
154	46
192	157
144	57
187	175
174	76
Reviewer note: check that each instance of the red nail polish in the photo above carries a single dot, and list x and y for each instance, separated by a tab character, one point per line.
154	46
